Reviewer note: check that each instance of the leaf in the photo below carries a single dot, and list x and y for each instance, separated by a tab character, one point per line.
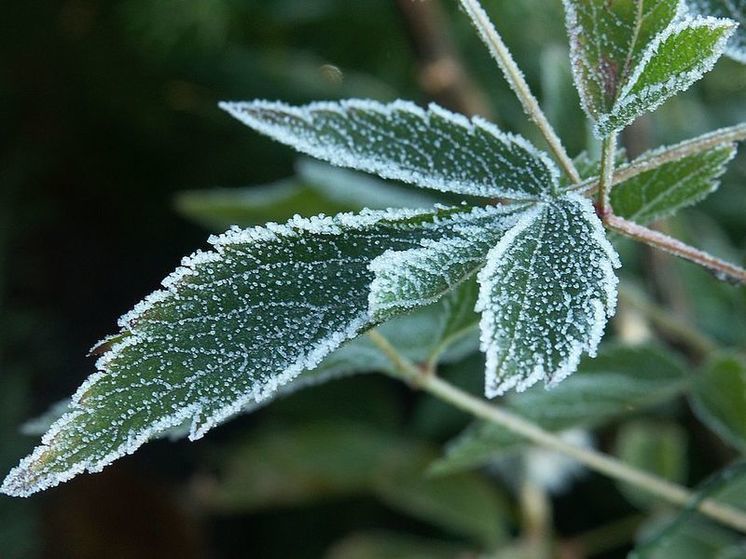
545	295
229	328
732	9
719	398
628	56
431	148
678	57
690	535
661	192
620	381
653	446
317	188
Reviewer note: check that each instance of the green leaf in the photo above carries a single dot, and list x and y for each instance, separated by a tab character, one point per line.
545	295
620	381
311	462
719	398
631	55
229	328
732	9
690	535
678	57
318	188
661	192
655	447
431	148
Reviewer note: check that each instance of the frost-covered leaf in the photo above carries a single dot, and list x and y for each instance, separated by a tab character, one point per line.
545	295
230	327
317	188
653	446
661	192
629	56
732	9
719	398
431	148
620	381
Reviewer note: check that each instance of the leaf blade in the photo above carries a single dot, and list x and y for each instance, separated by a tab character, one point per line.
431	148
228	329
661	192
538	316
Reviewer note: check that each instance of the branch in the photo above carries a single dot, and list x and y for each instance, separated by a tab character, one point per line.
720	268
442	75
517	82
597	461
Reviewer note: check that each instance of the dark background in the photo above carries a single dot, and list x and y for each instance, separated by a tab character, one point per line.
108	109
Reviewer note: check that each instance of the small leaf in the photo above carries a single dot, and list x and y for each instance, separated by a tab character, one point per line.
732	9
230	327
655	447
631	55
545	295
662	192
719	398
620	381
432	149
676	59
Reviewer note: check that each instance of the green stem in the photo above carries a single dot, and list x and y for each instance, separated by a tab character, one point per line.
608	153
597	461
517	82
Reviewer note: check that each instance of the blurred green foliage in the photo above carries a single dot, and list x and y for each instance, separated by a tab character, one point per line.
109	115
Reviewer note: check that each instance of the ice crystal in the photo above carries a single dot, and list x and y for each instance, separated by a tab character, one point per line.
732	9
545	295
431	148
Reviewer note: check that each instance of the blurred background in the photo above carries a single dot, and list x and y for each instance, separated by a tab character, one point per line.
109	115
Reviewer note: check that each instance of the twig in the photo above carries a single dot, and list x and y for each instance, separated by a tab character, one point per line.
720	268
517	81
442	75
594	460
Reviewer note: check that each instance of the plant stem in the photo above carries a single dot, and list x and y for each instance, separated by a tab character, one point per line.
723	270
517	82
597	461
608	153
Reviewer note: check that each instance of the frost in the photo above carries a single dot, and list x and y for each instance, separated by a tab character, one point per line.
629	57
431	148
545	295
732	9
227	331
420	276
